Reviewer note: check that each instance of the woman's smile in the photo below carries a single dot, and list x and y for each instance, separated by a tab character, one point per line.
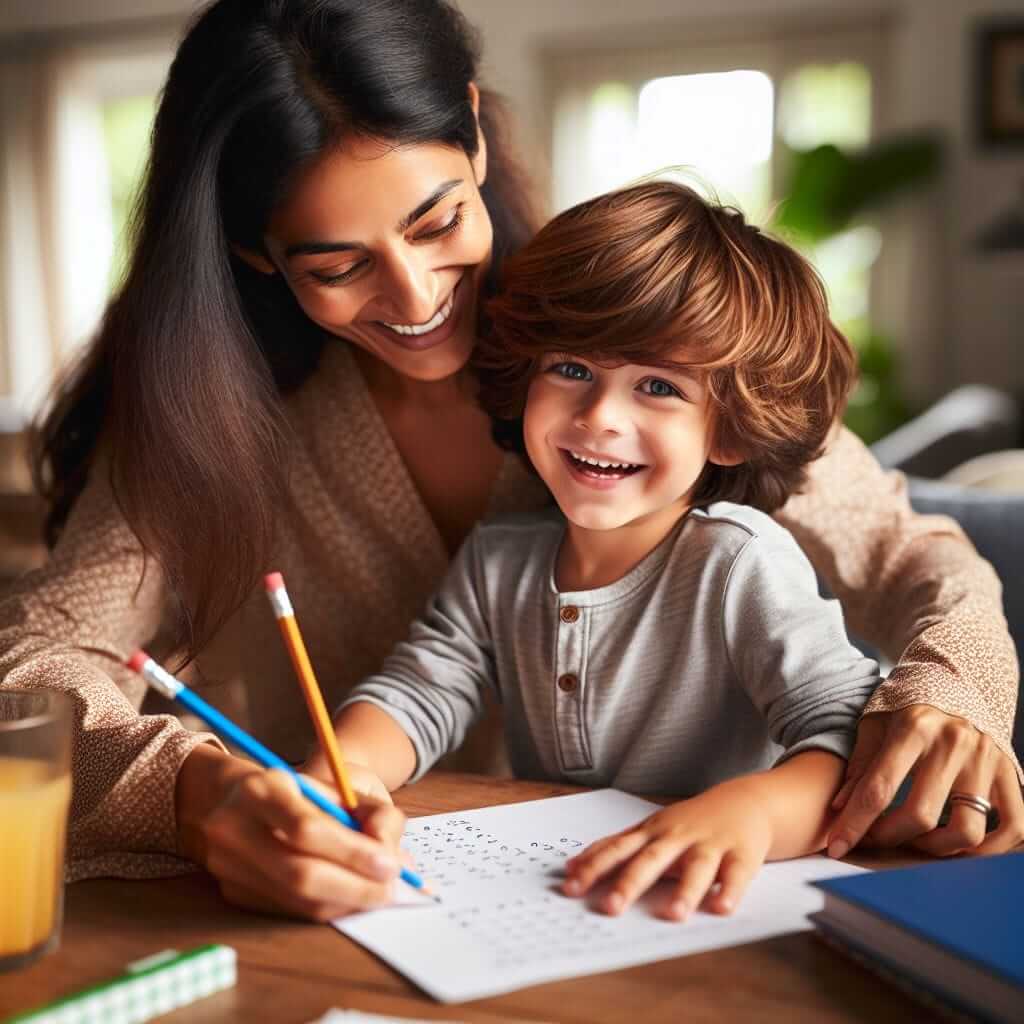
437	330
377	242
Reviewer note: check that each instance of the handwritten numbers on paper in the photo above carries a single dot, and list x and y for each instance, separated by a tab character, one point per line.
455	843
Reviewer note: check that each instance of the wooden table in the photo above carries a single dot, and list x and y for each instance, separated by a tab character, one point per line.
291	972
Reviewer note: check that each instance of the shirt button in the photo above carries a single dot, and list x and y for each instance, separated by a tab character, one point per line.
568	682
570	613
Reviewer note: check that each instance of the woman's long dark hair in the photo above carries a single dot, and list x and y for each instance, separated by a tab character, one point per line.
182	383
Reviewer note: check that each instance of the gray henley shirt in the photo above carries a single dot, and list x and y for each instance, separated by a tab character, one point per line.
713	657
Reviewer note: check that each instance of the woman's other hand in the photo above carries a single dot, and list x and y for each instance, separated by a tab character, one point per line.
270	849
946	755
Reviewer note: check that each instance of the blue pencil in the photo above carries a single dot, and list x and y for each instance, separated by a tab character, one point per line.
173	689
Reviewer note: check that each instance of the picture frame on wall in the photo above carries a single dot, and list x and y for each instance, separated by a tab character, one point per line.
1000	84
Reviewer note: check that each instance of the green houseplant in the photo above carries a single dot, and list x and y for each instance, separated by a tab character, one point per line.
829	190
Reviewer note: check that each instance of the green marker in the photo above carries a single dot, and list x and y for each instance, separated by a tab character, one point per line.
148	988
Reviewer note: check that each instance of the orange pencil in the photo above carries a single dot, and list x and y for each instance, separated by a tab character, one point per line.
285	615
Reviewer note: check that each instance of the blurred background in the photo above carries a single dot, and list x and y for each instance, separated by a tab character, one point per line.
885	139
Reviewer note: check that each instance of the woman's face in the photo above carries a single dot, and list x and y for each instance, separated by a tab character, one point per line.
386	247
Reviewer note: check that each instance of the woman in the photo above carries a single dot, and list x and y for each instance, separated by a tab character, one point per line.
281	383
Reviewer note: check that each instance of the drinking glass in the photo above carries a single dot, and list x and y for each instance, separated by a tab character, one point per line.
35	791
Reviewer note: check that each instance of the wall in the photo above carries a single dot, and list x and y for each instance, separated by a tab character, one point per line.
959	311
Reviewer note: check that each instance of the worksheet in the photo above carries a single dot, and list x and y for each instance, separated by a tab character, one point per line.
503	924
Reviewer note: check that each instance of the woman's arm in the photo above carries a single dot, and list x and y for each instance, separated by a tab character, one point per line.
68	626
914	587
148	794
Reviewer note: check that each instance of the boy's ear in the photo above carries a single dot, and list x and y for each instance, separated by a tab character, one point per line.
725	457
479	162
255	259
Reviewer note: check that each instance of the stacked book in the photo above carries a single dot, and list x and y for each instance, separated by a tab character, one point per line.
949	932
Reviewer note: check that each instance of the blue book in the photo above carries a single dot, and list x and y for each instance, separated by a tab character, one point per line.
951	931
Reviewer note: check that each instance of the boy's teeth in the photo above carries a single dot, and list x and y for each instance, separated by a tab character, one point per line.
431	325
600	462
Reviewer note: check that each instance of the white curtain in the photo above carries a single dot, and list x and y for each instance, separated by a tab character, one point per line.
56	230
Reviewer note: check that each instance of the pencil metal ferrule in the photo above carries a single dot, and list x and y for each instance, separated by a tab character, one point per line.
281	603
161	680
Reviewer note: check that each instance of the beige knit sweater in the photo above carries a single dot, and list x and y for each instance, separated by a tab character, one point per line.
361	555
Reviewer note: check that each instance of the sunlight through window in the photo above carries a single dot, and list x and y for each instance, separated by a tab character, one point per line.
719	126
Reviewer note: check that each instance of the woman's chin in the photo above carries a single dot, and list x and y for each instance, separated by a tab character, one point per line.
428	365
435	364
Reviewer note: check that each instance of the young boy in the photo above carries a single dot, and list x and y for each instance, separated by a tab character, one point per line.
673	371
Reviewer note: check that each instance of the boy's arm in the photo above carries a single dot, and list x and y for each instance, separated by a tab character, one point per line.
429	690
794	798
789	649
719	838
372	739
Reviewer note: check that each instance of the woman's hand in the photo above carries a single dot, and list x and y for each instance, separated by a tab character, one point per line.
713	845
272	850
946	754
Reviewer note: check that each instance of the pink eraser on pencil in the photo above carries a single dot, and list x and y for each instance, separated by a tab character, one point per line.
273	581
137	661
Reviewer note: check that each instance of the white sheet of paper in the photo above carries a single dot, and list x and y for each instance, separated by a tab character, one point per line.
503	923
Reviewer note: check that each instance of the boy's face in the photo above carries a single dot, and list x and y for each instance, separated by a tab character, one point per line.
651	422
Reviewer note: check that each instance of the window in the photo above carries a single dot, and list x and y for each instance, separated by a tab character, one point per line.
127	124
723	117
74	134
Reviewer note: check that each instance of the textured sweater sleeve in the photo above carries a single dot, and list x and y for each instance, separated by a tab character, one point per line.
68	626
911	585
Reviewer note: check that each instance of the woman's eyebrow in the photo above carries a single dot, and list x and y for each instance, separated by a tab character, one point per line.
432	200
318	248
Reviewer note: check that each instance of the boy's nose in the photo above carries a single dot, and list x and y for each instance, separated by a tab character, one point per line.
601	414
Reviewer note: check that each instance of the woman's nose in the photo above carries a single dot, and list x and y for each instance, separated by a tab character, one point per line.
410	289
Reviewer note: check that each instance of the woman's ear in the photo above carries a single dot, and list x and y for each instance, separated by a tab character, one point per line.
479	161
255	259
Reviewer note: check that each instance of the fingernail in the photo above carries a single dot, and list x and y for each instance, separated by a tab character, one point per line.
838	848
384	867
572	887
679	909
725	905
615	903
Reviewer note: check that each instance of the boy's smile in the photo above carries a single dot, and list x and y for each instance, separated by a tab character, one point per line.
618	445
598	470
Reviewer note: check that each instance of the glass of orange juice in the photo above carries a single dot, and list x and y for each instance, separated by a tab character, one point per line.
35	791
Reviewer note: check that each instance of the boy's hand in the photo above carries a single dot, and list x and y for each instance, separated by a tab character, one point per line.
713	843
363	781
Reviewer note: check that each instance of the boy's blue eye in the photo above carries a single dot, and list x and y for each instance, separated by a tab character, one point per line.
571	371
660	388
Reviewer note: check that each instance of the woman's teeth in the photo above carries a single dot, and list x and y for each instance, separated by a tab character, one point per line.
431	325
602	464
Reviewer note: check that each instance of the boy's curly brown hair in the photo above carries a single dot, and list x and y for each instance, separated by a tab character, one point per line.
654	274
